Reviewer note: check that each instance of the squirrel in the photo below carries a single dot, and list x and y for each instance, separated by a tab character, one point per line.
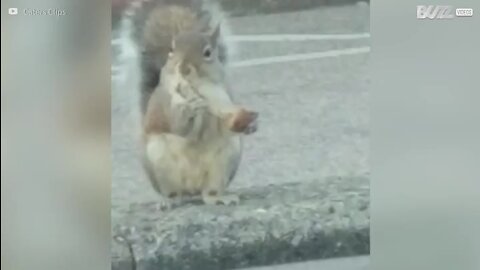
191	127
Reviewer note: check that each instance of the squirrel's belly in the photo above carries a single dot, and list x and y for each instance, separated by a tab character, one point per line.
207	163
188	168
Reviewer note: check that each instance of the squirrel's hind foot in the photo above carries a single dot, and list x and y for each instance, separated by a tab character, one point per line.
168	203
211	198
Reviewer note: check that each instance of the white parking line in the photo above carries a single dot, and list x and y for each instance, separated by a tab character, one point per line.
299	57
309	37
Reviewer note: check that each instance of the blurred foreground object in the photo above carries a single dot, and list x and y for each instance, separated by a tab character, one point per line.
55	136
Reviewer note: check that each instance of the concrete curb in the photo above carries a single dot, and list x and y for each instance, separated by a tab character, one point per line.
272	225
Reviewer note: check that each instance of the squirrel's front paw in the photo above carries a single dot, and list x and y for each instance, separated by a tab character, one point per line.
252	127
197	105
244	121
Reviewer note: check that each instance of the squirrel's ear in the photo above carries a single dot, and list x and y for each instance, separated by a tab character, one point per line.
215	34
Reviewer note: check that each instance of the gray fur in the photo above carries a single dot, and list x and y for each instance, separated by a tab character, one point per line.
152	60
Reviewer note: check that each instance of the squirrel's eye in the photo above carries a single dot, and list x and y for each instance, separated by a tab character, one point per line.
207	53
